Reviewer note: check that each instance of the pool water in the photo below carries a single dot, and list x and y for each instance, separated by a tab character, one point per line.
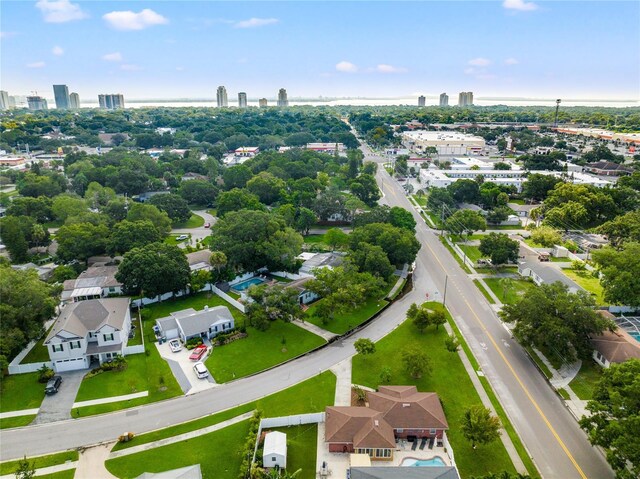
436	461
635	336
245	284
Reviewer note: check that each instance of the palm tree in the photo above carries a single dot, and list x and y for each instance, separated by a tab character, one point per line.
507	285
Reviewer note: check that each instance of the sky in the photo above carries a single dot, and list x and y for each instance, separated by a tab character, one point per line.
171	49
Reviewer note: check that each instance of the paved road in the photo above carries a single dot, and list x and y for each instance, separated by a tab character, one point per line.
553	438
197	233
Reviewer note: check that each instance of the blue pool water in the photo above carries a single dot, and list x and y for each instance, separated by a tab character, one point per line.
436	461
245	284
635	336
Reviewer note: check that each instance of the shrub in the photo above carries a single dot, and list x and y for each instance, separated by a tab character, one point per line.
193	342
451	343
117	364
45	373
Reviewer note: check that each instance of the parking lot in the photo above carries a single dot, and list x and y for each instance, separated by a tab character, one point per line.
182	368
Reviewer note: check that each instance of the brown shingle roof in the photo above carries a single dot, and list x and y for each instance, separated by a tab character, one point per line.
406	408
357	425
617	346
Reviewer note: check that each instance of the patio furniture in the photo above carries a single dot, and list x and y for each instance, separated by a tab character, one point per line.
431	442
414	445
423	443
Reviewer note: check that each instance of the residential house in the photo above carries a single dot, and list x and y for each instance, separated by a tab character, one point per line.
394	413
546	273
614	346
311	261
247	151
199	260
98	281
189	472
107	138
607	168
146	196
189	323
193	176
89	331
274	451
304	295
399	472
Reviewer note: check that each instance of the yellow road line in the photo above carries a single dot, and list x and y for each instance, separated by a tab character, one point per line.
524	388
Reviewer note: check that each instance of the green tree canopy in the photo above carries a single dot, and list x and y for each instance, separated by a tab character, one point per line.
174	206
620	273
127	235
399	244
465	222
198	192
236	200
266	187
146	212
80	241
499	248
479	426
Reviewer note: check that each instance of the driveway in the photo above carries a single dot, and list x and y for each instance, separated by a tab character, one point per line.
57	407
182	368
196	233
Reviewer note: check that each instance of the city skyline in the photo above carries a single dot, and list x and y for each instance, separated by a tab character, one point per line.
510	48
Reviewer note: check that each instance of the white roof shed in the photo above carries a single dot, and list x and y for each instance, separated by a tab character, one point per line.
275	450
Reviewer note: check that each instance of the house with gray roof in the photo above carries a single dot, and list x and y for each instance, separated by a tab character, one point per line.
189	323
92	331
546	273
98	281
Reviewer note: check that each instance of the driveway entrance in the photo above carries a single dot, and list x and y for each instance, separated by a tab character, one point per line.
57	407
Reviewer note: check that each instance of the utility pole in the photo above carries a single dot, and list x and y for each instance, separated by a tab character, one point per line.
444	296
442	221
555	121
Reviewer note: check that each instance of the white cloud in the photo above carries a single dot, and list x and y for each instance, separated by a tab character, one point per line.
347	67
480	62
511	61
36	65
519	5
128	20
60	11
255	22
383	68
8	34
130	67
113	57
469	71
57	51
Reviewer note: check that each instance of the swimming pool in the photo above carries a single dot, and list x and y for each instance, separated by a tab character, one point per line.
246	283
436	461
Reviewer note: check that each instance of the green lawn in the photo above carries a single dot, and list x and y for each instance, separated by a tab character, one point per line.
313	239
196	221
68	474
555	259
448	378
472	252
533	244
39	353
520	286
588	282
455	255
10	467
302	444
517	201
137	337
536	359
483	291
588	376
498	270
504	227
20	391
260	350
342	323
171	239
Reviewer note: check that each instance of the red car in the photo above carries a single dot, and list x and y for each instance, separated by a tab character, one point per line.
198	352
207	225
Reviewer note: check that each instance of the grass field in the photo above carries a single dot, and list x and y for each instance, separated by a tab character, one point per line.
39	353
342	323
20	391
68	474
498	270
196	221
10	467
472	252
585	382
302	444
448	378
18	421
520	286
588	282
483	291
455	255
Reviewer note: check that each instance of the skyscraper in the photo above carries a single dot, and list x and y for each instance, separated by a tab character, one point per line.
444	99
465	98
262	102
61	94
421	100
74	101
242	100
111	101
4	100
221	97
282	97
37	103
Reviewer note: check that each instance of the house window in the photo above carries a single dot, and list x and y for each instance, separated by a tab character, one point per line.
107	337
400	431
273	459
432	431
74	345
57	348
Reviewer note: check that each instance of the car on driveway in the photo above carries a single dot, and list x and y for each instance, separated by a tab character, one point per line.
175	345
207	225
53	385
201	370
181	237
198	352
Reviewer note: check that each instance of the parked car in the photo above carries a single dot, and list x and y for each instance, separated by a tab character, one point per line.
175	345
198	352
207	225
181	237
53	385
200	370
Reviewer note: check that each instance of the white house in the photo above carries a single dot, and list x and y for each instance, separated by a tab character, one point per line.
89	331
275	450
544	273
189	323
96	282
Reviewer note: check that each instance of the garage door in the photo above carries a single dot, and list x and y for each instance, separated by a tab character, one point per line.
70	365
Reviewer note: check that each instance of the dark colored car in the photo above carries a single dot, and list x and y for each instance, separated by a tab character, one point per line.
53	385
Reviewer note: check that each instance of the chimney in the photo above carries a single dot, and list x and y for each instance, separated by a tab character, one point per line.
376	423
406	404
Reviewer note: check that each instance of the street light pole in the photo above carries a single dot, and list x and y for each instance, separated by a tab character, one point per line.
444	296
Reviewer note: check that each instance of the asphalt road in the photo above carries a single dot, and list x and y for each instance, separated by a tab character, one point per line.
553	438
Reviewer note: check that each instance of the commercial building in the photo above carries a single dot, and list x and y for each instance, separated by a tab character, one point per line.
282	97
242	100
446	142
326	147
221	97
421	100
111	101
465	98
4	100
631	138
61	94
444	99
37	103
74	101
262	102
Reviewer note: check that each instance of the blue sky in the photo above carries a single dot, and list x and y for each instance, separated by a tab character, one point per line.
379	49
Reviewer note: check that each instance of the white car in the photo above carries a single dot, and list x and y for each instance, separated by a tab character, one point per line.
201	370
181	237
175	345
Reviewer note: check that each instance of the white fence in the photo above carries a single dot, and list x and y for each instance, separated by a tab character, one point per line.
27	368
234	302
448	448
137	349
461	253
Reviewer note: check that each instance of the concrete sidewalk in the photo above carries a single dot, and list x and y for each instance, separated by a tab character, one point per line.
18	413
342	370
108	400
91	463
312	328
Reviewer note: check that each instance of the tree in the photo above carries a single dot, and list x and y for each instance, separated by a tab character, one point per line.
97	195
329	203
399	244
127	235
266	187
558	322
421	319
198	280
498	214
372	259
615	415
464	191
236	200
451	343
571	215
620	273
38	208
80	241
14	234
621	229
438	317
507	285
546	236
416	362
501	165
465	221
402	218
270	303
364	346
503	475
365	188
304	220
26	469
199	192
440	199
236	176
538	186
336	238
385	375
500	248
176	208
479	426
144	212
156	269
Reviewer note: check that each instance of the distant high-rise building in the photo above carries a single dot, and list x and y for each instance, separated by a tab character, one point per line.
465	98
221	97
4	100
61	94
37	103
262	102
111	101
282	97
242	100
422	100
444	99
74	101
